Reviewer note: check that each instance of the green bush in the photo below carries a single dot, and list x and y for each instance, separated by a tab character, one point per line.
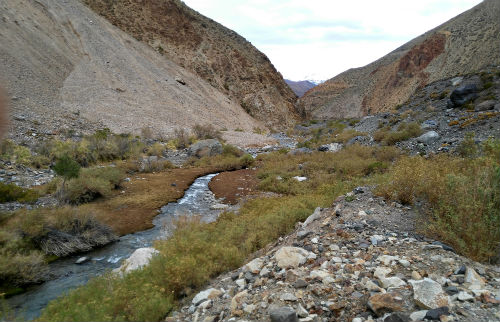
93	183
12	192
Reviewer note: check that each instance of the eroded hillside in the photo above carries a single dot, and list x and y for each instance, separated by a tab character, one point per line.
66	68
219	55
463	45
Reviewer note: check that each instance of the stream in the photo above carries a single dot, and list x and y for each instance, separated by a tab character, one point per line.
67	275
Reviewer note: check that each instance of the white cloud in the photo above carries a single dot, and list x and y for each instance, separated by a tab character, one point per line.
320	38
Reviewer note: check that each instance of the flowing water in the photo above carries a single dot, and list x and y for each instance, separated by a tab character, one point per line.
67	275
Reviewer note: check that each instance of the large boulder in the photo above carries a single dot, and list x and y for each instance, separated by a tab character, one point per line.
205	148
462	95
138	259
428	294
428	137
288	257
283	314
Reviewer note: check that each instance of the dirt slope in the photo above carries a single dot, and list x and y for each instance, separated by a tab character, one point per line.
219	55
464	44
66	67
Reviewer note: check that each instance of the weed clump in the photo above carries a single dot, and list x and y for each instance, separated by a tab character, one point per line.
208	131
404	132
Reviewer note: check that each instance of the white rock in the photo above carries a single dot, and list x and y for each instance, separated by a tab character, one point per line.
473	280
370	286
288	297
387	259
404	263
254	266
418	315
381	272
138	259
334	247
301	312
264	272
428	294
205	295
241	283
392	282
250	308
81	260
287	257
205	305
362	213
336	259
300	179
315	215
319	274
464	296
315	240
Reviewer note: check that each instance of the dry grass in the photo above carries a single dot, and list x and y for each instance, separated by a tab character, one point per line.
27	236
462	195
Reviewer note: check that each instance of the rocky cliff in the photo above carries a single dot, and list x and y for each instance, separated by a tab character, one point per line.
65	67
218	55
463	45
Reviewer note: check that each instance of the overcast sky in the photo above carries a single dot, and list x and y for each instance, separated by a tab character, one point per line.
318	39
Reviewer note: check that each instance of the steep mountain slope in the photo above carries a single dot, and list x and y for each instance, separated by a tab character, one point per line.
63	65
464	44
300	87
218	55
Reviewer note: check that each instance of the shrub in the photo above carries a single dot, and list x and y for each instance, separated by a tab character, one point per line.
229	149
149	166
462	198
467	147
208	131
181	138
12	192
93	183
156	149
404	132
15	153
346	135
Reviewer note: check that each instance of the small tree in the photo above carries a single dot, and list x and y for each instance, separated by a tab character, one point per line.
67	168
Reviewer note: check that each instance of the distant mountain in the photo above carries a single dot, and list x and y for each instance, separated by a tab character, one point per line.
217	54
464	44
66	67
300	87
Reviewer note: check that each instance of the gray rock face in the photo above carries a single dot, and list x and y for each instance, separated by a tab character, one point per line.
283	314
205	148
462	95
428	137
